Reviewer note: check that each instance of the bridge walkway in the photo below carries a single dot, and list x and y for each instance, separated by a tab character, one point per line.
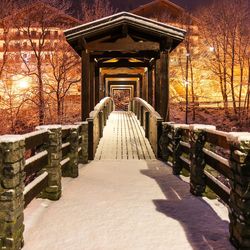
126	200
124	138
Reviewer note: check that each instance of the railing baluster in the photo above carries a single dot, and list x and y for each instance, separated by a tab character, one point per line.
197	141
54	189
239	202
12	176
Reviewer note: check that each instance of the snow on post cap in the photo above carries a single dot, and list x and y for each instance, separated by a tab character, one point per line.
184	126
238	137
201	127
70	126
11	138
48	127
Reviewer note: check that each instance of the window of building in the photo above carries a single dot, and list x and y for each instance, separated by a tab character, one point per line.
33	33
25	45
17	45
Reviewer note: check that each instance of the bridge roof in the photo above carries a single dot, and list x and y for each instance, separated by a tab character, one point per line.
124	22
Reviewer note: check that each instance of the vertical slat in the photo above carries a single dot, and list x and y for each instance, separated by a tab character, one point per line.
85	102
91	138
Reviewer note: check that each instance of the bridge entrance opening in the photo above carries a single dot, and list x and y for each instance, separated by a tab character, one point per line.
122	93
121	99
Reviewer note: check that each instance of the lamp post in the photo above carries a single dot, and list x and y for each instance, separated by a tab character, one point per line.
186	86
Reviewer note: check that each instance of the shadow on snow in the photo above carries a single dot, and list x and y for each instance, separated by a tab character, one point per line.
203	227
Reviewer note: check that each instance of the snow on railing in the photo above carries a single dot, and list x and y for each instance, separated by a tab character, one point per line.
96	123
215	159
150	120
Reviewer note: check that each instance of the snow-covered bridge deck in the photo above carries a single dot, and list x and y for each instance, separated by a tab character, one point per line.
124	138
131	203
126	204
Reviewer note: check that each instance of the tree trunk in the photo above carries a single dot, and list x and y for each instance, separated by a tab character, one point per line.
192	87
41	107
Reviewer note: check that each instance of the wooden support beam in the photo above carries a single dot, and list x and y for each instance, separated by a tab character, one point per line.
97	84
102	86
164	58
123	65
144	86
123	44
150	85
120	54
153	90
85	103
122	75
92	85
157	93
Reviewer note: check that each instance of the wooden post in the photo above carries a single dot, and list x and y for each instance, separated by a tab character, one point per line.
101	123
164	69
159	133
176	137
147	117
92	85
97	84
150	85
141	115
158	89
144	86
165	140
85	105
90	139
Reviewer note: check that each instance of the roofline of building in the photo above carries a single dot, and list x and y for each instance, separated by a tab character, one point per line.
166	2
28	6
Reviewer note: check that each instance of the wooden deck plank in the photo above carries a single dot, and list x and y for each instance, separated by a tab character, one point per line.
123	138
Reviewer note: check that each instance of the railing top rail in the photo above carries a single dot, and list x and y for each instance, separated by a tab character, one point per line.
99	107
149	108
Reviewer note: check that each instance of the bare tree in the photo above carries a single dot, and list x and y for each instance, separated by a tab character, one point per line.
223	26
64	73
12	104
96	10
37	22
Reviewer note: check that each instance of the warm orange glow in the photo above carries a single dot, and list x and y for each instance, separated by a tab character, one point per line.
23	84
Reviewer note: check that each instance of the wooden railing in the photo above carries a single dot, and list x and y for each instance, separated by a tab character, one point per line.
150	120
32	165
36	177
218	160
96	123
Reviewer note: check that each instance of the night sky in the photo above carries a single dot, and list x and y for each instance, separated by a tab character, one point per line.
131	4
122	5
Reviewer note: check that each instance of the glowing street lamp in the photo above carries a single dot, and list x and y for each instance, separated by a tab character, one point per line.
23	84
211	49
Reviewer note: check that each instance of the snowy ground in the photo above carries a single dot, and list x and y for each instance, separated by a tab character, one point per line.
126	204
213	116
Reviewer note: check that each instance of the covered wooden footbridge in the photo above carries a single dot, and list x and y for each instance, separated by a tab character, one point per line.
124	198
128	56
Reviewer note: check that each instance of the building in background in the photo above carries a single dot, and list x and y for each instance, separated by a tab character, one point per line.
36	62
188	60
